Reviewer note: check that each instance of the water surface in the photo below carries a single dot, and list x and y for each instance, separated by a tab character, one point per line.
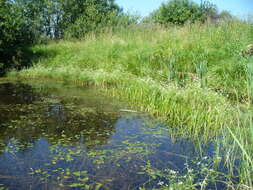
58	136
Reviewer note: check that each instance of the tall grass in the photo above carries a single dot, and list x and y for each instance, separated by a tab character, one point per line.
193	77
188	75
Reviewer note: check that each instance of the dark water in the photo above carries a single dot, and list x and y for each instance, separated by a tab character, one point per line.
56	136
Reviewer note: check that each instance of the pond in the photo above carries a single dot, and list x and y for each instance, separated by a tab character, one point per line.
60	136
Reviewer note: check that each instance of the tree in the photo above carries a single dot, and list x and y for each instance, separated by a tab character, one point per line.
177	12
225	16
88	15
208	11
25	22
181	11
13	36
61	18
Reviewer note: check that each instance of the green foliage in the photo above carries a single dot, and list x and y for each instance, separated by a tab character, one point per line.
86	16
125	19
13	35
178	12
208	10
55	18
24	22
181	11
225	16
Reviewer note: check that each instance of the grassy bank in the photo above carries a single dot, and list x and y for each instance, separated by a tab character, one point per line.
193	77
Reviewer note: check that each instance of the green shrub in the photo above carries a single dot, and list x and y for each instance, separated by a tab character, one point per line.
181	11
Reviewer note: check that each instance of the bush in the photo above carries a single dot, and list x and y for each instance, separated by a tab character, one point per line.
181	11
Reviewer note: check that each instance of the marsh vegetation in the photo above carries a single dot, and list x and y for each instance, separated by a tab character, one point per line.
194	78
53	139
192	75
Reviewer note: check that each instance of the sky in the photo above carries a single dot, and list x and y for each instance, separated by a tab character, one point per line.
239	8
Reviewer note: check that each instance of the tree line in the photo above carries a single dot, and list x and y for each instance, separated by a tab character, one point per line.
27	22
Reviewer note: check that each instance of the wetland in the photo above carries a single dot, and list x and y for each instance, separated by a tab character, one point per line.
55	135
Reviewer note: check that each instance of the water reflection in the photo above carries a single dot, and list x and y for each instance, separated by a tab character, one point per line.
17	94
52	140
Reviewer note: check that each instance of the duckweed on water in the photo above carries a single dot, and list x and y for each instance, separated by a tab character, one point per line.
51	140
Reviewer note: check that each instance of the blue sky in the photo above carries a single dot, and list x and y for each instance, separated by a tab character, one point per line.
144	7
